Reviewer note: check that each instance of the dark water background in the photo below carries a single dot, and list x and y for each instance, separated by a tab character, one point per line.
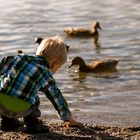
109	98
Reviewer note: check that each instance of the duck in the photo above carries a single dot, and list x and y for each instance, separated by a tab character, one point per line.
38	40
82	32
97	66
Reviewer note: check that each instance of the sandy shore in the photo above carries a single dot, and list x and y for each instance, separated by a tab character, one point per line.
87	132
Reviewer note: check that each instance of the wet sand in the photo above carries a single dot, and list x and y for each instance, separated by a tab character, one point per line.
87	132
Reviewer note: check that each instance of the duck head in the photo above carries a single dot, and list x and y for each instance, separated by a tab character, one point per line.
96	25
38	40
77	61
19	51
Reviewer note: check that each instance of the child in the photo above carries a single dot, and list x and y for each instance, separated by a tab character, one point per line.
22	76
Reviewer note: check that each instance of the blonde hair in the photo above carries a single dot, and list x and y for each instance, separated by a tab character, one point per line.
53	49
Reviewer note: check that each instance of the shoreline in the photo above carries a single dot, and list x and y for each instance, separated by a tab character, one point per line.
87	132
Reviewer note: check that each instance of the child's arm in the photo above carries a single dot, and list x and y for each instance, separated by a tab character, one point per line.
60	104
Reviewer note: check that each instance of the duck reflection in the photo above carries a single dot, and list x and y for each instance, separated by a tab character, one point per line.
96	42
82	76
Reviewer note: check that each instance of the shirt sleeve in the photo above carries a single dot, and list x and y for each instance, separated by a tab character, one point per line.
5	63
54	94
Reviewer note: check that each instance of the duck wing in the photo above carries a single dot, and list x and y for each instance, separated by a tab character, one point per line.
104	65
77	31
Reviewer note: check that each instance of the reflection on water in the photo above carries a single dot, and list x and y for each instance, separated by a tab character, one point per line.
97	98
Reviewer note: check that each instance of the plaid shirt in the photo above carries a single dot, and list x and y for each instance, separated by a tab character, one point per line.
24	75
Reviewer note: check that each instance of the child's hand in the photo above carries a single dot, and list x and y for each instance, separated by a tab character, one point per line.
72	122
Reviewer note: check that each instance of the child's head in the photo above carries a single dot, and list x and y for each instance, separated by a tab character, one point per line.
53	50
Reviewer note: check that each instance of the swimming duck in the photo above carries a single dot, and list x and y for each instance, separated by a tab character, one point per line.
81	32
39	40
97	66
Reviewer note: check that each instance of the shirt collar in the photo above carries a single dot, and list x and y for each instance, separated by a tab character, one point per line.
44	62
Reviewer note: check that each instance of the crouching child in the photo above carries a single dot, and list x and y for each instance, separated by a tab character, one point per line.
22	77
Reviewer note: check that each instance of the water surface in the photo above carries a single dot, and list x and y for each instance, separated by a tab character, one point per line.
109	98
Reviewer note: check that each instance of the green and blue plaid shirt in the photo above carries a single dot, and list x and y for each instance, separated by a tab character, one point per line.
23	76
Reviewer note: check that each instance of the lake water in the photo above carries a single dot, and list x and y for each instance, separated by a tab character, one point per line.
109	98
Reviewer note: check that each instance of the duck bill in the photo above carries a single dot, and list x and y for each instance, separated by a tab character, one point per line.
70	66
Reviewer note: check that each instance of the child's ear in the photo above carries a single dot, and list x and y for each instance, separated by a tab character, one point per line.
56	62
